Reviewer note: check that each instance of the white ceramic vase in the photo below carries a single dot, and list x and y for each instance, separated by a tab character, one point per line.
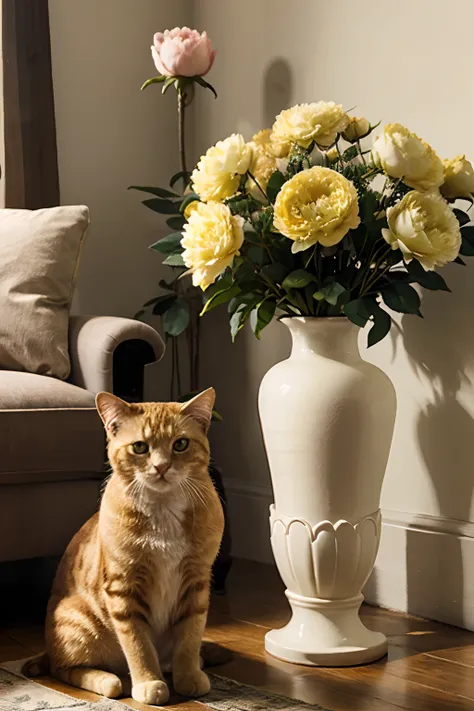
327	419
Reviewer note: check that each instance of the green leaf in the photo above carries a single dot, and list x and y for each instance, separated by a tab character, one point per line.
257	255
266	312
165	285
244	273
163	206
250	235
163	303
221	297
394	258
240	316
262	315
350	153
233	305
202	82
176	223
174	260
402	298
275	184
169	81
236	322
467	248
192	197
297	279
139	315
428	280
223	282
248	298
159	192
333	293
368	207
183	175
151	301
275	272
359	311
169	244
153	80
463	217
382	324
176	318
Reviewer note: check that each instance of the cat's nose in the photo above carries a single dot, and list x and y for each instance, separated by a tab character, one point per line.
161	468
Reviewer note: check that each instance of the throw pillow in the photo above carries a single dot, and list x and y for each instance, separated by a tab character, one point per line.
39	256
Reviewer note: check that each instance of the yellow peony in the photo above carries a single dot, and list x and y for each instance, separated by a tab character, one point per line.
189	209
332	156
356	129
402	154
262	167
458	178
316	205
211	239
218	172
272	146
422	225
304	123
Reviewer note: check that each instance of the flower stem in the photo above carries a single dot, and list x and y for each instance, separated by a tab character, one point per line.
181	136
252	177
361	152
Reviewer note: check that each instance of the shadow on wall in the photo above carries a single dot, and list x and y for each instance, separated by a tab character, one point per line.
441	351
277	89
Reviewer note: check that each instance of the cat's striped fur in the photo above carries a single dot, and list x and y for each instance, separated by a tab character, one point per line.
131	593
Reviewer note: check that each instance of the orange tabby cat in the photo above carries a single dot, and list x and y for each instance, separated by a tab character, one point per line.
131	593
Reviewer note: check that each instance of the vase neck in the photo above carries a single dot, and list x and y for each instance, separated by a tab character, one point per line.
333	338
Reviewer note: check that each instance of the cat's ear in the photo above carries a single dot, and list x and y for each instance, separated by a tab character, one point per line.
200	407
111	410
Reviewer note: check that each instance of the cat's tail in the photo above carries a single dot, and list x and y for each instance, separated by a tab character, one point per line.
36	666
213	654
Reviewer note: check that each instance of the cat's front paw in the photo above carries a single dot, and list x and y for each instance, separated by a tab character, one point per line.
192	684
155	693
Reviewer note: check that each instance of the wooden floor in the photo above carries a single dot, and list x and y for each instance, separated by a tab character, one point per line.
430	666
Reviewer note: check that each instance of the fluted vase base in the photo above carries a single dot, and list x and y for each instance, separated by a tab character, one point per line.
325	633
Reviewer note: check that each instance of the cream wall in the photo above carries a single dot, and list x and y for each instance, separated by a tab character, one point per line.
110	135
408	62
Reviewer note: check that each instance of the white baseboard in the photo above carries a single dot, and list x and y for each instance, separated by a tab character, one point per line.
425	564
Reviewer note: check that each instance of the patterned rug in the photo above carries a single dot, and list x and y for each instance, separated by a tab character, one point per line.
20	694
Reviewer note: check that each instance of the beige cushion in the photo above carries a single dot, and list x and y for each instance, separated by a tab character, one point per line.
39	254
49	430
28	391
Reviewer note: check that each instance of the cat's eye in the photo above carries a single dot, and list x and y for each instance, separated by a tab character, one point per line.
181	444
140	447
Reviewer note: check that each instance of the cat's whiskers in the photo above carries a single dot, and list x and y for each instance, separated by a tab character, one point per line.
135	490
193	487
188	496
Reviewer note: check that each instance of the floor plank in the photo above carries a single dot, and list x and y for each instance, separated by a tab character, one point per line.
11	650
429	667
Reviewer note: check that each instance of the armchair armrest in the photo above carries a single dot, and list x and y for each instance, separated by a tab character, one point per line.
99	345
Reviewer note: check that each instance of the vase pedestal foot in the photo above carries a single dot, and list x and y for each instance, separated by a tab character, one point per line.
325	633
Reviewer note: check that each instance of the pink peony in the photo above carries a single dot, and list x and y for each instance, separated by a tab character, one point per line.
182	52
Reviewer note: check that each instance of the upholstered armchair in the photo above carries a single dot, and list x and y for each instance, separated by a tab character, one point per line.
52	444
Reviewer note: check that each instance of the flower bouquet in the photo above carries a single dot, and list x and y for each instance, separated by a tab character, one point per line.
307	219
